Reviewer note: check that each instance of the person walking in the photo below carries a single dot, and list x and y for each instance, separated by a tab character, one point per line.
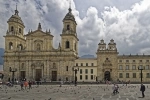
30	83
25	84
114	89
142	89
21	84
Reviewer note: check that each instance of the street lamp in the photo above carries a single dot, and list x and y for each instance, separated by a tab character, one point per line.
140	68
75	78
13	73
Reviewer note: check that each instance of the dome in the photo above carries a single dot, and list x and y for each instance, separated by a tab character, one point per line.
69	15
15	18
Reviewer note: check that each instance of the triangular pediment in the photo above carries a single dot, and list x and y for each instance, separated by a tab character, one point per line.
38	33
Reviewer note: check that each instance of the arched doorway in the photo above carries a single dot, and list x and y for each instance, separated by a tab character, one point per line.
107	75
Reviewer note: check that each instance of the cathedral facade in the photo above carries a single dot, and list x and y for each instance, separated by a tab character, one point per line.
32	56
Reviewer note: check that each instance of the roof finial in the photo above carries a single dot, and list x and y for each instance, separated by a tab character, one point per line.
16	11
39	26
70	6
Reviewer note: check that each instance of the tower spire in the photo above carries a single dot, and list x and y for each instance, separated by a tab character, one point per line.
16	11
70	6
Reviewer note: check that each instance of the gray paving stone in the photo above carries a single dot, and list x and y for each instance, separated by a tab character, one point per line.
83	92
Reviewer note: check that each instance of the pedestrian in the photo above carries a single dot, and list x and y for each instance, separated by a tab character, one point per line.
114	89
117	88
142	89
30	83
21	84
25	84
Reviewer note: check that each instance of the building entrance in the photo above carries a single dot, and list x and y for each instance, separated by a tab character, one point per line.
54	75
22	75
38	74
107	75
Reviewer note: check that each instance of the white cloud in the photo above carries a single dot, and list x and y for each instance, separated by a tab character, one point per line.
129	28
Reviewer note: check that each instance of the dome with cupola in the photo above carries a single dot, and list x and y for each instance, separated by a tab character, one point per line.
15	18
69	15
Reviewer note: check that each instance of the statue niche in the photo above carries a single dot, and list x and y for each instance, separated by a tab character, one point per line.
38	45
107	63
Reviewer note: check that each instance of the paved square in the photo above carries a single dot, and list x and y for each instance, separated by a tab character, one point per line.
70	92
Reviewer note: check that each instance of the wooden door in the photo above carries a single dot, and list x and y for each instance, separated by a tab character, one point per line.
38	74
22	75
54	75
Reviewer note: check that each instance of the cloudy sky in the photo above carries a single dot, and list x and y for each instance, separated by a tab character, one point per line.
125	21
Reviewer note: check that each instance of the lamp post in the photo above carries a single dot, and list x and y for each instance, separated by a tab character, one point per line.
13	73
140	68
75	78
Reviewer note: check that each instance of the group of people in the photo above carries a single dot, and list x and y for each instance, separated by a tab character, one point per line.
115	89
25	84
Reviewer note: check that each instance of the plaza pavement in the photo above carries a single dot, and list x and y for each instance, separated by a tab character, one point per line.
70	92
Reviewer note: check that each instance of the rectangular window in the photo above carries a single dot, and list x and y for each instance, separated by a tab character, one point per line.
80	71
66	68
147	67
127	61
127	67
86	77
134	75
140	60
127	75
86	71
147	75
80	77
91	77
120	67
81	64
134	67
120	75
91	71
92	64
147	60
76	64
120	61
134	61
140	67
86	64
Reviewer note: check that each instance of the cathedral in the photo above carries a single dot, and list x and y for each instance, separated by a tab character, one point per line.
32	56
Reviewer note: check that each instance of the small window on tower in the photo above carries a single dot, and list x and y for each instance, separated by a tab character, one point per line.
19	30
67	44
68	27
12	28
10	45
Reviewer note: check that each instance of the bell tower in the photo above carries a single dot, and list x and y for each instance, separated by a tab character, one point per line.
14	38
69	39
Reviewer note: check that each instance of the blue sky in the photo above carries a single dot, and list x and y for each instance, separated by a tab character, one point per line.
125	21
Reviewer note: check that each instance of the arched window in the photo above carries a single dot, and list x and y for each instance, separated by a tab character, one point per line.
67	44
68	27
19	30
20	47
10	45
38	47
12	28
66	68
